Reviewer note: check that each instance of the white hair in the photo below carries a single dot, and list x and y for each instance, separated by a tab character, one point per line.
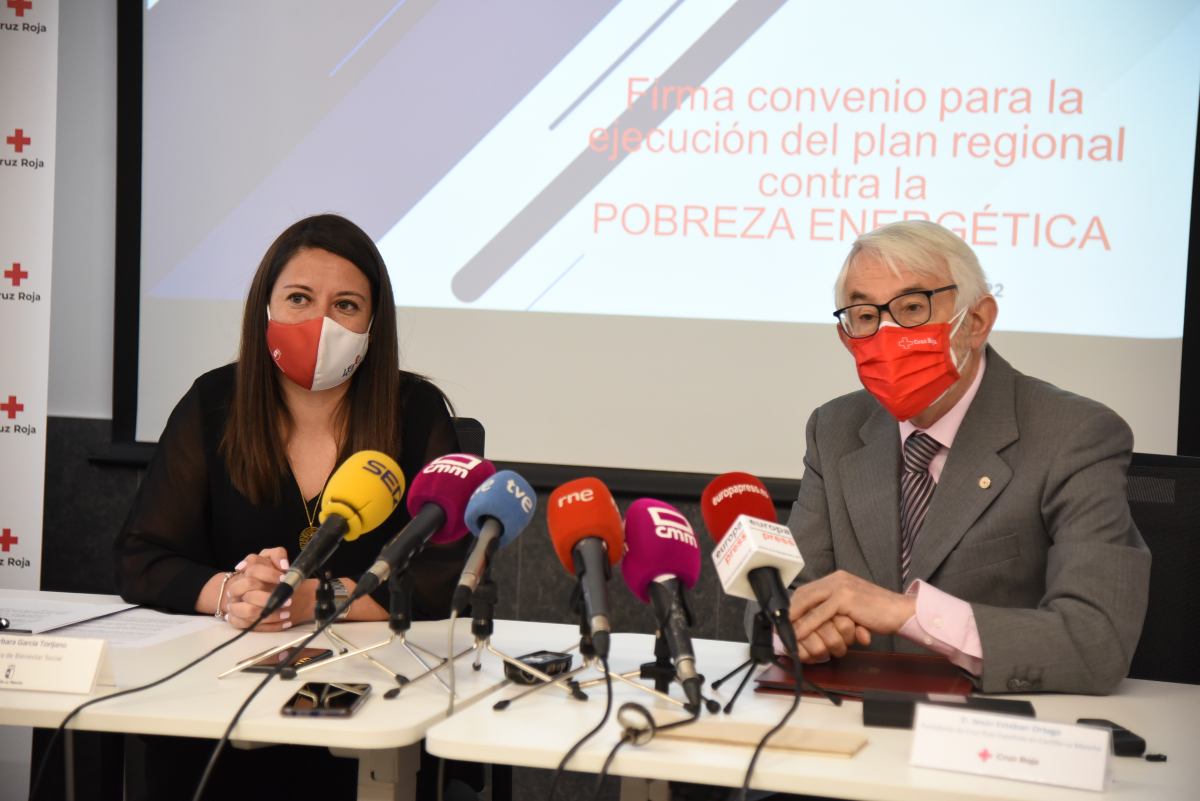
924	248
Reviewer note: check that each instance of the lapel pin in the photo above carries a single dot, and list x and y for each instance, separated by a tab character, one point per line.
984	482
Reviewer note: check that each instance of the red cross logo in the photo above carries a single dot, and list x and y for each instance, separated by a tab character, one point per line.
7	540
18	140
20	6
985	755
11	407
15	274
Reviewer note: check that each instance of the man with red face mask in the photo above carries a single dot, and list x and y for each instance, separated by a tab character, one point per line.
957	505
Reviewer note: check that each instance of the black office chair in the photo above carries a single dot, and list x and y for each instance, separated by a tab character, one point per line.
470	435
1164	498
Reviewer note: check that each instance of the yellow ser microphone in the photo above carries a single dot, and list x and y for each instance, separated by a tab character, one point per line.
363	491
361	494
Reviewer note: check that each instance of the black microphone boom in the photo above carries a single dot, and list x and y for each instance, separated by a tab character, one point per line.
319	548
772	597
477	562
401	548
592	568
673	621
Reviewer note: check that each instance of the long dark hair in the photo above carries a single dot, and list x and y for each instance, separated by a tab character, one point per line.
370	414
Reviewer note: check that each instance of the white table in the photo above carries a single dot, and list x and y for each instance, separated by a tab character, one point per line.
536	732
384	735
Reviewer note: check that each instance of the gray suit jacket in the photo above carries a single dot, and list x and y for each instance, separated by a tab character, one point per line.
1046	553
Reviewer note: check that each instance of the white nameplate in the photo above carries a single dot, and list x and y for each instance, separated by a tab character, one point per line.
1010	747
53	664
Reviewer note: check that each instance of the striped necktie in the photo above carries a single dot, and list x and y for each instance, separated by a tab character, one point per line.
916	488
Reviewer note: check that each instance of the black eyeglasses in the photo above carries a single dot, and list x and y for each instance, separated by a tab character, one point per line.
908	310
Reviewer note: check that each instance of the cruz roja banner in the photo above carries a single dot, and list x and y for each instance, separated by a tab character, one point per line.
28	115
28	98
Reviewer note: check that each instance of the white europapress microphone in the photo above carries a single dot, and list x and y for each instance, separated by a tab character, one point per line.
756	557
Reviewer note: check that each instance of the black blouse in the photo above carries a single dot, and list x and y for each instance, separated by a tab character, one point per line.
189	521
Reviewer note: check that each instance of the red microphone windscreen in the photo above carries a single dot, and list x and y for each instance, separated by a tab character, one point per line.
448	482
732	494
579	509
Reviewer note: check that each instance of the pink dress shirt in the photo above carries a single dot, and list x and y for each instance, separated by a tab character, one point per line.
943	623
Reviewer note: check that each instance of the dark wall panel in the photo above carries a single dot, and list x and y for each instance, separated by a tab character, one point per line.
86	504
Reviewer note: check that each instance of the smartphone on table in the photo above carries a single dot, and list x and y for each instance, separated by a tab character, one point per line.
328	699
292	657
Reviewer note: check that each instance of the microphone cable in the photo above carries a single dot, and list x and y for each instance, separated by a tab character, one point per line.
798	675
441	777
450	660
637	736
608	702
37	781
275	671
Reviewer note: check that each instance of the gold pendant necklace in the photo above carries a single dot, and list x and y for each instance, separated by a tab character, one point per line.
307	533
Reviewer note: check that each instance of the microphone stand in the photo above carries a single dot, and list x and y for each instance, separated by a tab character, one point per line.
589	659
322	612
762	653
399	621
483	613
662	670
400	589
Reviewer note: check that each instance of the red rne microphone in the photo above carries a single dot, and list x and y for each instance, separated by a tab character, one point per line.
756	558
585	528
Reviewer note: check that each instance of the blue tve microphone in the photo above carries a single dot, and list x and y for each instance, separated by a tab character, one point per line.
498	511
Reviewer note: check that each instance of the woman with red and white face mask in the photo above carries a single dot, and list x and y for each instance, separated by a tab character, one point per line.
235	490
318	322
235	487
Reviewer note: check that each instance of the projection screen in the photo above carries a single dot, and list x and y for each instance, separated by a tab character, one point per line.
613	227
